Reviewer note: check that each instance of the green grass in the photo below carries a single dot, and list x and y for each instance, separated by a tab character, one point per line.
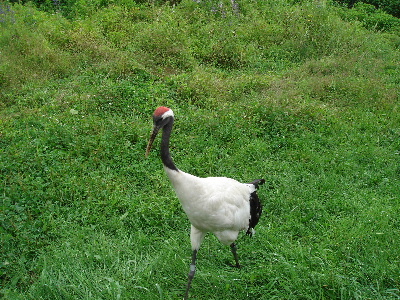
302	95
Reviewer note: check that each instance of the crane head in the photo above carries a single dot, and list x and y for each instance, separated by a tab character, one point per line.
160	119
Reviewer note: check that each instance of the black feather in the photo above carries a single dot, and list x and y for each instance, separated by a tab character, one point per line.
255	207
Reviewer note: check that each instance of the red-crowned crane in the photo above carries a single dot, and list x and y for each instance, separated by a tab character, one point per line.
219	205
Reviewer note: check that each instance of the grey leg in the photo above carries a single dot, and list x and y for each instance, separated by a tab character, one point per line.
233	249
192	271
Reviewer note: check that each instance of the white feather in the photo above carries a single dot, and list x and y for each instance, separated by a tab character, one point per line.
213	204
168	113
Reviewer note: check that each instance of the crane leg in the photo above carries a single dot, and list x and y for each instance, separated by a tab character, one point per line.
192	271
233	249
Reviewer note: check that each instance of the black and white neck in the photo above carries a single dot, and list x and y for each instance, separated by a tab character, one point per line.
164	151
163	118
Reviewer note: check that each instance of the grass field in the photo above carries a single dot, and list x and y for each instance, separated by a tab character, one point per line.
301	93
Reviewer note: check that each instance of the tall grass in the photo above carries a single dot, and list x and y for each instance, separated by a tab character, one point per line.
295	93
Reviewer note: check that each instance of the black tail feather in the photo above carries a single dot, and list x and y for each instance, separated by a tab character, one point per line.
257	182
255	207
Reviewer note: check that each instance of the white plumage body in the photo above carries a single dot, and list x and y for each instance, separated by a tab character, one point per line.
213	204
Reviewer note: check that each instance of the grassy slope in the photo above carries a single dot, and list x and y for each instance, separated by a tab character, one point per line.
289	93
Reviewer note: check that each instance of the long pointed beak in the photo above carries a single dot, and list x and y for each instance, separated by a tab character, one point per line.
151	140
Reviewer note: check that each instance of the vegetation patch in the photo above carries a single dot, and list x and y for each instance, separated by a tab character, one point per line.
301	93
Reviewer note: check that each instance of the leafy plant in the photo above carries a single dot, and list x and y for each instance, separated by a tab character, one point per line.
391	7
372	18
